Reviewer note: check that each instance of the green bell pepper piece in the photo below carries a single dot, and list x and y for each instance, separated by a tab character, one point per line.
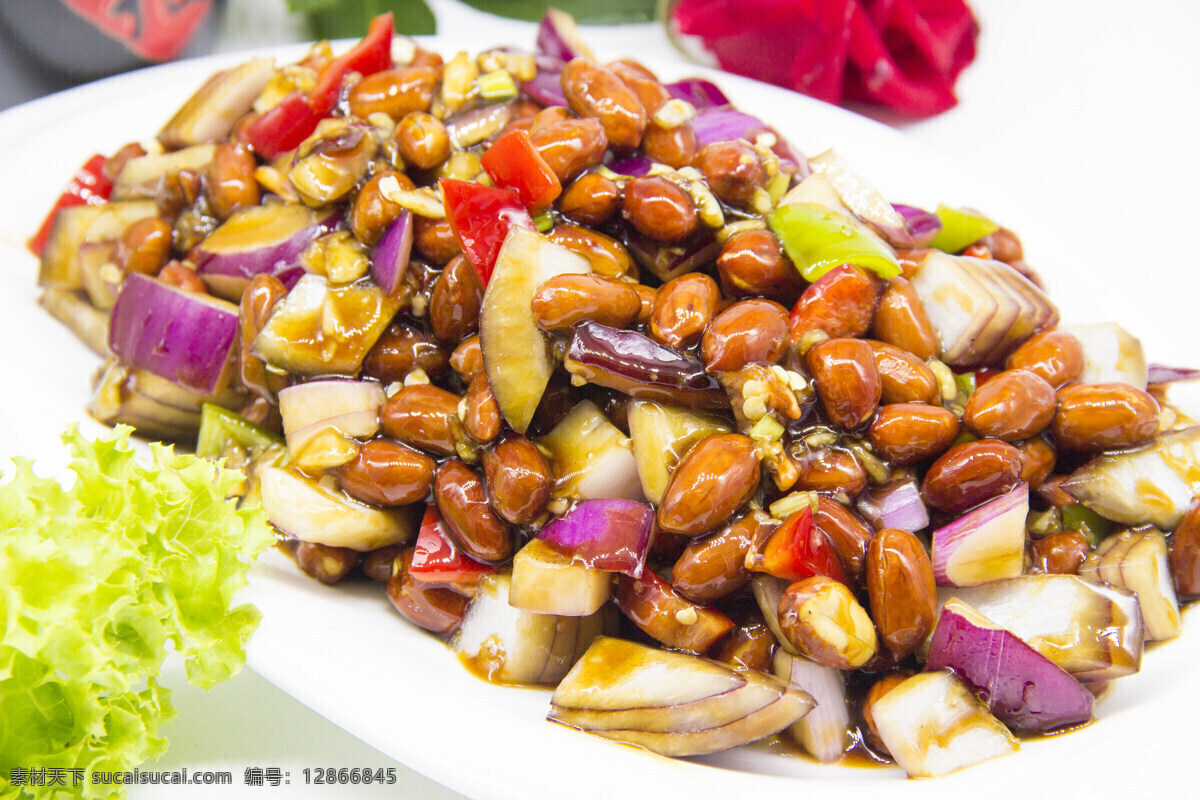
817	239
960	229
220	427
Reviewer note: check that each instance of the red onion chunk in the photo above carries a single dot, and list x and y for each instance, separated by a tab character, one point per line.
824	732
635	165
1159	373
545	88
185	337
700	93
259	240
1024	689
985	544
895	505
608	534
725	122
558	37
389	259
923	226
638	366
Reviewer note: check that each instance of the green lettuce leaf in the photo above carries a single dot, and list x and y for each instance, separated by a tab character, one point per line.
98	583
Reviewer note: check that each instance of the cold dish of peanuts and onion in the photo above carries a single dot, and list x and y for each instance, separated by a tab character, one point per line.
615	391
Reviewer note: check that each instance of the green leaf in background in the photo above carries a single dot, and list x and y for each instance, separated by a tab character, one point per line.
585	11
348	19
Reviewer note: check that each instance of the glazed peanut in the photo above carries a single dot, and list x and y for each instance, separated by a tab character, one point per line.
467	358
846	380
144	247
455	302
401	349
748	646
395	92
682	309
841	303
712	567
563	302
462	500
714	479
1037	461
1012	406
902	590
748	332
591	200
676	147
1185	553
231	184
659	209
379	564
427	606
1059	553
519	479
829	470
372	213
421	139
570	146
433	240
1104	416
733	169
596	91
903	377
901	321
422	415
753	264
823	621
387	473
970	473
1055	356
606	255
325	563
481	418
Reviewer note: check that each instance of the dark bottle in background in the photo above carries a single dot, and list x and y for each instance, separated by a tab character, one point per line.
47	45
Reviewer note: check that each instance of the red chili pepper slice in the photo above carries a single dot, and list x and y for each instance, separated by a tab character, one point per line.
514	163
371	55
435	559
799	549
283	127
480	217
88	186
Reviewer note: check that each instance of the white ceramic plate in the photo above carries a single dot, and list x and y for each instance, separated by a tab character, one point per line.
344	651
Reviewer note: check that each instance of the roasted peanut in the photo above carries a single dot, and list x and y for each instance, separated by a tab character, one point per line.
379	564
401	349
650	603
372	213
642	82
821	619
421	415
1055	356
1004	245
683	308
676	147
606	255
748	646
231	184
647	295
145	246
117	161
901	321
841	303
847	383
570	147
467	358
551	115
427	606
849	535
395	92
421	139
426	58
387	473
733	169
1059	553
902	590
481	413
519	479
182	277
596	91
258	301
659	209
747	332
712	567
969	473
456	300
715	478
904	378
564	301
326	563
1037	461
752	263
470	521
591	199
829	469
1103	416
434	240
1184	553
1012	406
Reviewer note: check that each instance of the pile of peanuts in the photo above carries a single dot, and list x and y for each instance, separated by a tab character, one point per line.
848	367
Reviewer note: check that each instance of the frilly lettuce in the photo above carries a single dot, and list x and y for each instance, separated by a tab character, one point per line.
97	584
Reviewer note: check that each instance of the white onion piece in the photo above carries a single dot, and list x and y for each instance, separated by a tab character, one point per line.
349	407
311	512
933	725
1111	354
592	457
545	581
895	505
1093	631
824	732
1137	561
768	591
1023	688
672	703
985	544
862	198
1152	485
215	108
139	178
516	353
508	644
819	190
661	434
